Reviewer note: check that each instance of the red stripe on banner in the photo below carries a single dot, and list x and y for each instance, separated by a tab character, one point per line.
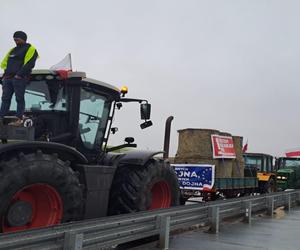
292	154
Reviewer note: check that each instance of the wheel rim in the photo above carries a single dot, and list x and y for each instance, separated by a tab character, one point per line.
161	195
46	207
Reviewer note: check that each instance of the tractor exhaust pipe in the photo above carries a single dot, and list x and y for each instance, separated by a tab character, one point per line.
167	137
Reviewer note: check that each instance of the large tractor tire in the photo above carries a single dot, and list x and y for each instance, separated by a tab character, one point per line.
37	190
269	186
139	188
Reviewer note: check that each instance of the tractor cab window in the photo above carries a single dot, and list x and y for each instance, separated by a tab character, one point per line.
270	164
253	163
43	96
291	163
265	165
94	111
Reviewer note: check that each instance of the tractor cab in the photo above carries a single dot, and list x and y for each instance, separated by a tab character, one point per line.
258	162
261	165
73	110
287	162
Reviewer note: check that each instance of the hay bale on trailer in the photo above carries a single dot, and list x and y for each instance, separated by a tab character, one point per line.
238	163
195	147
195	143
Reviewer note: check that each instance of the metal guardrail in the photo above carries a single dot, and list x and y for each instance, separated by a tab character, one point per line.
114	230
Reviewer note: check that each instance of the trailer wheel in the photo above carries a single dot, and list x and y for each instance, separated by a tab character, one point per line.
138	188
230	194
37	190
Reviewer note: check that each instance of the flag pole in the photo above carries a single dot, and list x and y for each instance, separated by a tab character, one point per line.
71	62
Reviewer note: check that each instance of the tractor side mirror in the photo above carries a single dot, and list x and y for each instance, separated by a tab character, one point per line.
146	124
145	111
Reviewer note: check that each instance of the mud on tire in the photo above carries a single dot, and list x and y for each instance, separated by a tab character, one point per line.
139	188
30	178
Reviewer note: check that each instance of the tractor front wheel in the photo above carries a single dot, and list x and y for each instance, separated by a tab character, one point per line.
37	190
270	186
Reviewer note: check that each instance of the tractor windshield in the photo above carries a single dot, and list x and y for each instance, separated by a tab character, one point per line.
253	162
43	95
291	163
93	116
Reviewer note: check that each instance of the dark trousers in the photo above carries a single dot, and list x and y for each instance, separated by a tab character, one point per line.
10	86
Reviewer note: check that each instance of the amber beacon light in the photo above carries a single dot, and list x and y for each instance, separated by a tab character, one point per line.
124	90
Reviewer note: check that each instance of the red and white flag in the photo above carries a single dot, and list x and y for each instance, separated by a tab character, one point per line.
295	152
245	147
63	67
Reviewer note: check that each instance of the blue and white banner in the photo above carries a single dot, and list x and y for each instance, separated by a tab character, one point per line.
195	176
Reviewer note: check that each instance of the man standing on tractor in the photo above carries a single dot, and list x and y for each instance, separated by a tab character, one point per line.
17	66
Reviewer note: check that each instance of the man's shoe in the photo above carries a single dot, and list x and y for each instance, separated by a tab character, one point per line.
17	123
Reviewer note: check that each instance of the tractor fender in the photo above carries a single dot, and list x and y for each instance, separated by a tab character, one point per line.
64	152
265	177
138	157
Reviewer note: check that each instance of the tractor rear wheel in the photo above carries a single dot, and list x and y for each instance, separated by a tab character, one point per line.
139	188
37	190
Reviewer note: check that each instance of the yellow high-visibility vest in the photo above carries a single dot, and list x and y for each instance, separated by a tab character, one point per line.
29	54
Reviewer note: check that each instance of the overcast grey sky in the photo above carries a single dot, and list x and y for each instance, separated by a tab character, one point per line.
231	65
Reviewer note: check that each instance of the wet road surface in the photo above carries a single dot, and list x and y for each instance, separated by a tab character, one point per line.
281	232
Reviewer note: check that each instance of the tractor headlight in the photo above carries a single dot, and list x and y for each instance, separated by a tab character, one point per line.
281	178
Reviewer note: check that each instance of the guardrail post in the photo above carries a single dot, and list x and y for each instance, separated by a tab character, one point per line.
73	241
164	232
288	202
214	215
270	206
248	211
298	198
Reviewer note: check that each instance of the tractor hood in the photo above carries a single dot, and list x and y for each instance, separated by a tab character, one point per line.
286	170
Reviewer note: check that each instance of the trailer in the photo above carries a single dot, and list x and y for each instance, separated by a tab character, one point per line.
209	164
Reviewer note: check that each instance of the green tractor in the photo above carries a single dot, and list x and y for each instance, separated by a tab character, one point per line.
58	168
288	173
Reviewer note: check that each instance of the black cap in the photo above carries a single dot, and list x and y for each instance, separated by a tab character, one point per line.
20	34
